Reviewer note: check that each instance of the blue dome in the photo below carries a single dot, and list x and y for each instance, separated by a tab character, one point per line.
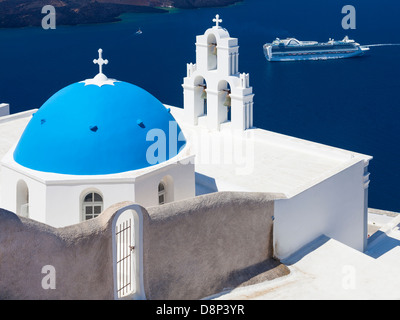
95	130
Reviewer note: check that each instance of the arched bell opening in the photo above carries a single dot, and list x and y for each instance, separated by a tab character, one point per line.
224	100
212	56
200	96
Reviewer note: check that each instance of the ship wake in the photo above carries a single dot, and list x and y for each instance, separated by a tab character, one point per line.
381	45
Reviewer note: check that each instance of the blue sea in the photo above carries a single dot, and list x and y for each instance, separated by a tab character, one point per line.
349	103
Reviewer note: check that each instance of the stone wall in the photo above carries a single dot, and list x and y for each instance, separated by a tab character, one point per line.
191	249
197	247
80	254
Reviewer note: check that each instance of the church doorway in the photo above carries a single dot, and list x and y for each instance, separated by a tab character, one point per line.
125	262
127	253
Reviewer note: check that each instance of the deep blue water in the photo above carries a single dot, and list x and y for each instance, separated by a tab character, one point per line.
349	103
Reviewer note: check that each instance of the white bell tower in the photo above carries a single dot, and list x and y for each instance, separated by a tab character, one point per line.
215	93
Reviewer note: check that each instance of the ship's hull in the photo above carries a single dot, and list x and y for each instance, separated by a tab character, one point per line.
312	55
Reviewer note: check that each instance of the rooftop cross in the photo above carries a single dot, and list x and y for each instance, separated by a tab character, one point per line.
100	61
100	79
217	20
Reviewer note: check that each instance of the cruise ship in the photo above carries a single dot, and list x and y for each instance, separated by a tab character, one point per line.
292	49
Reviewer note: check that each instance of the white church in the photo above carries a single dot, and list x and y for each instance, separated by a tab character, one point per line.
102	141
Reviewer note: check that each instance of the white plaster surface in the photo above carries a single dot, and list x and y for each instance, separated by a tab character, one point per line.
258	160
333	207
327	269
11	129
324	186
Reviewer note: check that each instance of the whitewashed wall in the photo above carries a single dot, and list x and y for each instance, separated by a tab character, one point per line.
58	202
36	189
334	207
180	182
64	202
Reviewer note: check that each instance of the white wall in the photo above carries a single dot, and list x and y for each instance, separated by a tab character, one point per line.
146	186
64	201
58	202
334	207
36	189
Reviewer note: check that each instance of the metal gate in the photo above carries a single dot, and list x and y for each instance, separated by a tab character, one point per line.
125	255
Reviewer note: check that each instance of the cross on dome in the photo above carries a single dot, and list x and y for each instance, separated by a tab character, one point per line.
217	20
100	61
100	79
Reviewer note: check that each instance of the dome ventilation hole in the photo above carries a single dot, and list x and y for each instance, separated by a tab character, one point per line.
140	123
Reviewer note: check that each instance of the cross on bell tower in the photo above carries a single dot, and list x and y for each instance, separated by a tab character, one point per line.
217	20
100	61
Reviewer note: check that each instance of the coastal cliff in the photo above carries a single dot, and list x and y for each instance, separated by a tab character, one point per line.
24	13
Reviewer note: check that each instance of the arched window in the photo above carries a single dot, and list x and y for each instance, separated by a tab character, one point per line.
161	193
166	190
92	205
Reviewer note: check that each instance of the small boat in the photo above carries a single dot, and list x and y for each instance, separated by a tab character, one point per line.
139	31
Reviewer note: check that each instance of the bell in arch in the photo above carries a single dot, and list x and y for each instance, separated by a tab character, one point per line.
227	102
214	49
204	94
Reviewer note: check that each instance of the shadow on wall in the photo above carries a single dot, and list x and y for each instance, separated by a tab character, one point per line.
191	249
305	250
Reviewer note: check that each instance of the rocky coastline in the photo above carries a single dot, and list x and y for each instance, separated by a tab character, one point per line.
27	13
